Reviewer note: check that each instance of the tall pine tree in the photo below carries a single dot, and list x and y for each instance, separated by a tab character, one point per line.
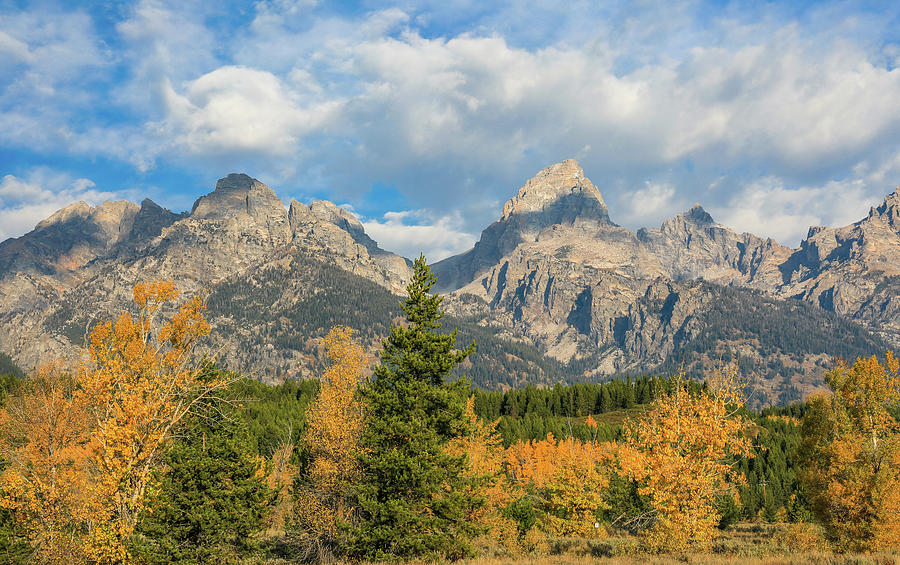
210	502
414	496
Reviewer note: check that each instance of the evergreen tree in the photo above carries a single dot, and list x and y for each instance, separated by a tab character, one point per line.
414	496
14	546
211	502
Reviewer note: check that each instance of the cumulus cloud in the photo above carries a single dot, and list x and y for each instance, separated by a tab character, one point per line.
768	207
236	109
409	233
648	205
26	201
456	104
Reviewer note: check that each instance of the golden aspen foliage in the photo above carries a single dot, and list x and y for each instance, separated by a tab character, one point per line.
129	396
335	423
137	387
568	478
45	439
851	453
683	452
483	447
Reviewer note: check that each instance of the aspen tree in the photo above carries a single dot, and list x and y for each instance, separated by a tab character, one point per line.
851	454
335	423
683	452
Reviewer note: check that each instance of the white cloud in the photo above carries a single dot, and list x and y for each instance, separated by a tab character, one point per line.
234	109
26	201
647	206
53	48
13	50
457	115
410	233
769	208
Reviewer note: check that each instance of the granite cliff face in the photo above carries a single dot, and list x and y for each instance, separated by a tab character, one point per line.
553	272
80	264
692	245
558	199
853	271
556	270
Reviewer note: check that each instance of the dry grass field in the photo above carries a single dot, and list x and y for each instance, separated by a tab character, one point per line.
751	544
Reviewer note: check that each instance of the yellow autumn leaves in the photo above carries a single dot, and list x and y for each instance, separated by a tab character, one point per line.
682	452
852	455
332	438
82	443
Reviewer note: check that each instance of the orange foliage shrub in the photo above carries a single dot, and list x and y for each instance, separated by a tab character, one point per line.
484	449
45	439
125	402
683	452
568	476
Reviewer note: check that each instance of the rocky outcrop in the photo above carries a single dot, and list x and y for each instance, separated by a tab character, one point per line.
553	271
557	271
558	199
692	245
69	239
150	221
853	270
322	226
562	271
80	264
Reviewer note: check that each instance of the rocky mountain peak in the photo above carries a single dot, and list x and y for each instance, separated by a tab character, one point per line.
813	230
237	193
79	209
684	223
336	215
150	220
70	238
889	209
558	194
558	213
303	218
698	215
246	203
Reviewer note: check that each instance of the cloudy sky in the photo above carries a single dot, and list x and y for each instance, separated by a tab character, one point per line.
424	117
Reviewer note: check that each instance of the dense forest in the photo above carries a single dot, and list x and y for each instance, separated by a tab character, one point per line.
783	334
8	366
146	453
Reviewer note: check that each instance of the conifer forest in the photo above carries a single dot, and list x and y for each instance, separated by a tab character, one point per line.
148	452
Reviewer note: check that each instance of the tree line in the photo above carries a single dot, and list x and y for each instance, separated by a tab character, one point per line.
147	453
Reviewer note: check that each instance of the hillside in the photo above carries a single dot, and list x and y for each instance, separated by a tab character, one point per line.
554	290
8	366
270	324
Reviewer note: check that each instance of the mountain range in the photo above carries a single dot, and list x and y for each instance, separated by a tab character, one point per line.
553	290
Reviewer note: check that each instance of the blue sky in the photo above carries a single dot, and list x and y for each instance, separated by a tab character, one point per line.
424	117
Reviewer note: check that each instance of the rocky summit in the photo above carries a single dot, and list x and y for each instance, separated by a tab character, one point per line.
555	269
80	264
554	289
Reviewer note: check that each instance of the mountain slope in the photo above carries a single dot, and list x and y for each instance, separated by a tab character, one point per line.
80	265
692	245
853	270
270	323
555	270
553	291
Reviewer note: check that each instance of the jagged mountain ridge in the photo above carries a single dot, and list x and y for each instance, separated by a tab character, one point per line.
554	276
580	287
80	265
